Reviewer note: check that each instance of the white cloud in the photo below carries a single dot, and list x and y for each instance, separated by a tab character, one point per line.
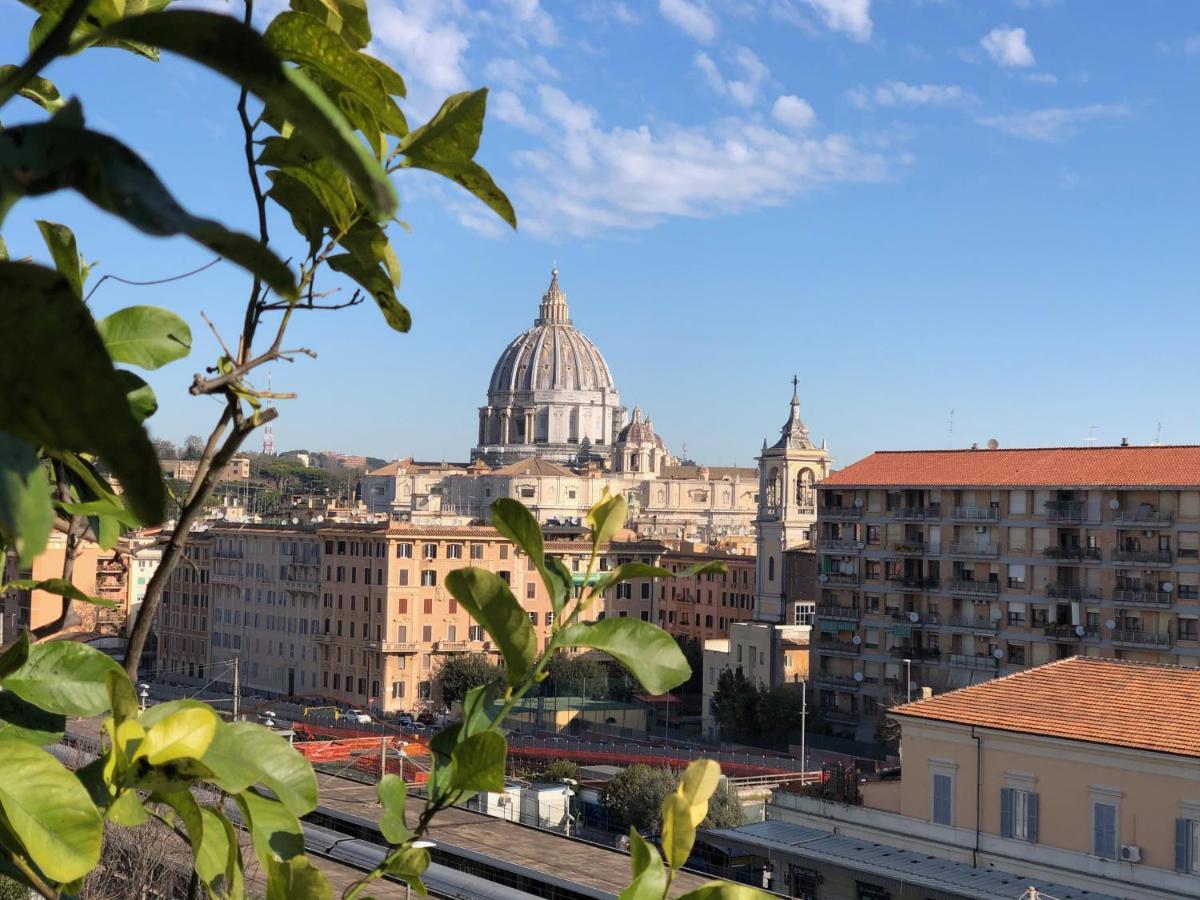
623	14
1007	47
853	17
588	178
534	21
793	112
1039	78
516	73
1053	124
508	108
693	18
427	44
899	93
743	90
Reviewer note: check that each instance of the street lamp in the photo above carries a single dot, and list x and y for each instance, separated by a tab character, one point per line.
908	680
143	695
417	845
571	784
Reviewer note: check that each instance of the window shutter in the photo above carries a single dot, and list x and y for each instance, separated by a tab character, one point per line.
1031	814
1183	845
1098	828
1006	812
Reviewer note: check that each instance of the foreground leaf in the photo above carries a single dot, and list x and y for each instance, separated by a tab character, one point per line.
39	90
649	876
276	833
678	830
28	723
184	734
376	281
296	879
489	602
243	754
479	762
62	588
646	650
26	515
49	810
145	336
64	677
393	794
725	890
606	517
60	241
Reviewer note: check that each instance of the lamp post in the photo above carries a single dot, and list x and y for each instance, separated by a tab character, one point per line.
417	845
908	681
143	695
571	784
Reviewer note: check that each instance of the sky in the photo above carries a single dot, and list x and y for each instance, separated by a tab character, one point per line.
952	219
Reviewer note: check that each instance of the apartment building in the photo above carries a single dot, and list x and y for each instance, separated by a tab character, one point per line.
943	568
704	607
181	626
1079	777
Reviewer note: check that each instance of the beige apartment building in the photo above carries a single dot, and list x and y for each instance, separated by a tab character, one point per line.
182	624
939	569
1080	777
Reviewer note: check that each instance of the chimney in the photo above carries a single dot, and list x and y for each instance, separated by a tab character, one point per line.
1124	442
975	445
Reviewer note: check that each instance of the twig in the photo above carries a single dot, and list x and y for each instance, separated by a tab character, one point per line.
32	877
355	299
75	529
216	334
180	277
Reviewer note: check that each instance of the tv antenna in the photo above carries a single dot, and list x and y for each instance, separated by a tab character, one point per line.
268	445
1091	438
1158	435
951	444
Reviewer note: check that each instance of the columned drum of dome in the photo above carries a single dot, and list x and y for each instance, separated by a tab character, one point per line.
551	395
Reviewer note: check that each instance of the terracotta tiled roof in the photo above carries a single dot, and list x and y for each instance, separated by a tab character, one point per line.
1177	466
534	466
1100	701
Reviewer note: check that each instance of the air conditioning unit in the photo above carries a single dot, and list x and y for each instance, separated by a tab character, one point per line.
981	529
1130	853
1147	533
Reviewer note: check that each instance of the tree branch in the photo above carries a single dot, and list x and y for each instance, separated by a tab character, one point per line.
76	527
202	385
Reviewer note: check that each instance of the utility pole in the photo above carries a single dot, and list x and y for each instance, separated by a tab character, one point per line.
803	727
237	688
383	739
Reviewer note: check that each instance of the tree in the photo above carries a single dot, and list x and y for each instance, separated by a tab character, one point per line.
460	672
559	770
724	808
779	712
165	449
193	447
735	705
577	676
636	793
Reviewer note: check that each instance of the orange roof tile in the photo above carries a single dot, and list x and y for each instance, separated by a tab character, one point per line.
1163	466
1100	701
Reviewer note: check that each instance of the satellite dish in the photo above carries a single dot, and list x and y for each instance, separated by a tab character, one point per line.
993	444
1111	623
856	640
1167	587
822	578
858	676
862	545
1114	503
1080	630
858	502
914	617
998	653
320	518
295	520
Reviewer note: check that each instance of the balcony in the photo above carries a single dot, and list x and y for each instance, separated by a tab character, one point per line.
915	653
838	578
970	623
453	646
1066	512
1144	518
839	545
1072	554
1071	592
832	645
979	663
841	716
322	637
842	682
1142	598
840	512
915	583
974	548
845	613
918	513
1145	557
1067	632
975	514
226	553
989	588
399	647
917	548
1135	637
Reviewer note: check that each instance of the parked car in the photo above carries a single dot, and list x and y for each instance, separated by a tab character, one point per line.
358	717
425	718
417	727
405	719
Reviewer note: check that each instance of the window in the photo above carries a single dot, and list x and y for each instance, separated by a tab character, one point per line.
428	606
477	551
1104	830
645	590
404	551
1187	846
428	578
530	591
527	491
426	633
1016	577
403	581
770	568
624	591
1187	629
943	799
454	551
1016	654
1018	814
429	551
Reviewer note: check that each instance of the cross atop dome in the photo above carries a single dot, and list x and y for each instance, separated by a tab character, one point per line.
795	434
553	310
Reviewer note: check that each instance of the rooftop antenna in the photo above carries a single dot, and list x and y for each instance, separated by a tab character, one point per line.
268	445
1091	438
951	444
1158	435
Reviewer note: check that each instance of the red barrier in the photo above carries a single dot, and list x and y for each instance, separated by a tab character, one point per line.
629	758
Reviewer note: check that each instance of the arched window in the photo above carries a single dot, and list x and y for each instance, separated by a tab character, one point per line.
770	568
773	490
804	488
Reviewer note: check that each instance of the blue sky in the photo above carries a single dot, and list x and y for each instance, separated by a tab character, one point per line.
916	206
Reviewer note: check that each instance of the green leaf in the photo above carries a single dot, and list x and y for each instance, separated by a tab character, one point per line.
243	753
301	38
3	250
392	82
562	584
39	90
446	145
276	833
709	568
515	522
479	762
678	830
627	572
127	810
207	835
61	588
64	677
49	810
345	17
240	54
121	698
296	879
185	734
50	156
14	657
368	243
646	650
309	217
142	401
26	515
408	864
700	780
490	603
48	348
60	241
649	875
145	336
607	517
26	722
378	284
393	793
725	890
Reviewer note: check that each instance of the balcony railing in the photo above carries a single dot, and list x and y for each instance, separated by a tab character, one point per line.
982	663
918	513
832	645
973	624
915	653
1135	637
917	548
976	513
1081	554
845	613
453	646
1142	598
1066	511
1143	518
973	587
841	512
1146	557
838	578
399	647
845	682
1069	632
838	545
915	583
322	637
1071	592
973	548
